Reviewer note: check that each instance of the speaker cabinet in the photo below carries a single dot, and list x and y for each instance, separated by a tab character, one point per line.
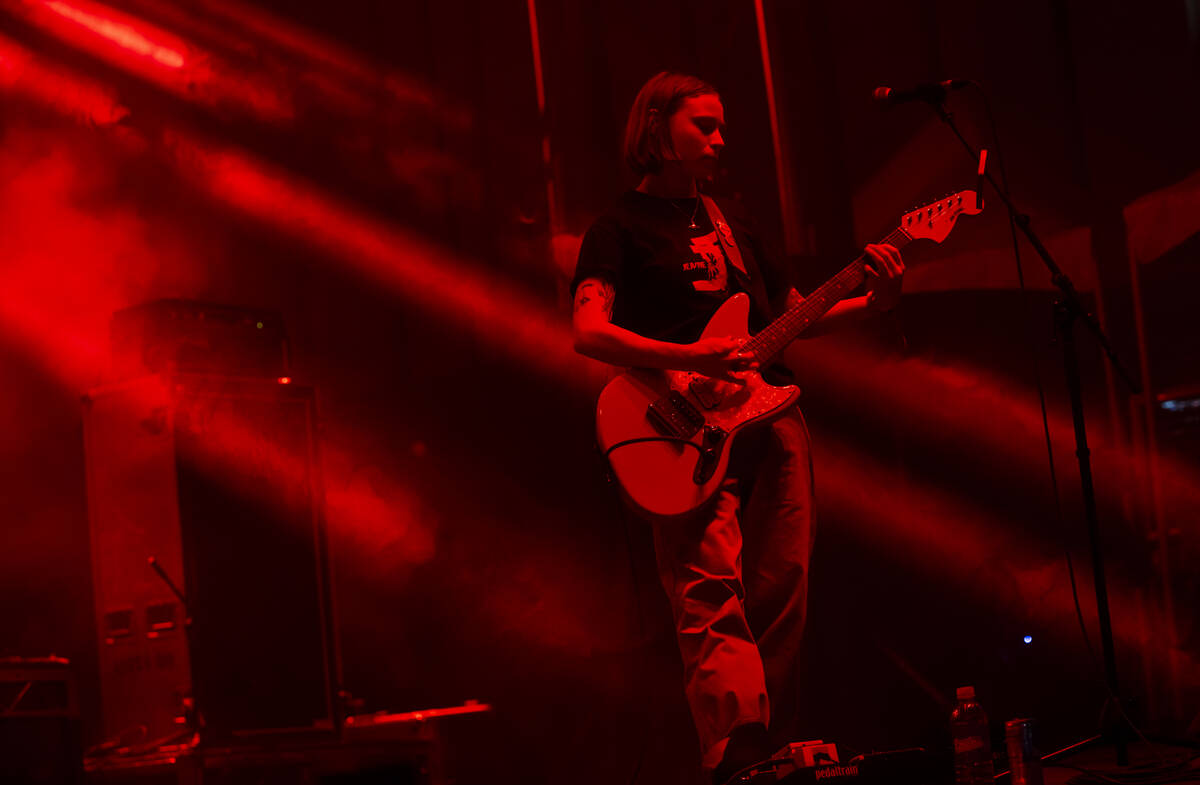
41	740
217	480
186	336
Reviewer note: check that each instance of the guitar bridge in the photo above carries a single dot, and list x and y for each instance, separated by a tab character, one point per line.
673	415
702	391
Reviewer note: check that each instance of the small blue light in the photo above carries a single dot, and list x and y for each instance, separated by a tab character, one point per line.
1028	639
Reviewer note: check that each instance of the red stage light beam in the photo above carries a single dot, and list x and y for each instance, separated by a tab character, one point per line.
83	100
502	315
120	32
337	72
942	401
973	550
160	57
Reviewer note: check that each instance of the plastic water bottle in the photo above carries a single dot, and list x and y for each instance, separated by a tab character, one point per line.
972	741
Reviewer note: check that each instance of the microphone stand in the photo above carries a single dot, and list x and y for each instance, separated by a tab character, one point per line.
193	719
1067	311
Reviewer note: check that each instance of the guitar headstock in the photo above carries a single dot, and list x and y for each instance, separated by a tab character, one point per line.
935	220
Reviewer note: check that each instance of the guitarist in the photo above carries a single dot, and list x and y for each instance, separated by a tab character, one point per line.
651	272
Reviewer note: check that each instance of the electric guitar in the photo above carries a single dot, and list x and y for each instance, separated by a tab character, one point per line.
668	434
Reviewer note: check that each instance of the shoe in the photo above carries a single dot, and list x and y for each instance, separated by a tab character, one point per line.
748	744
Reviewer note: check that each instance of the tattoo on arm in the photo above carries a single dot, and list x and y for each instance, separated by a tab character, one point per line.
597	290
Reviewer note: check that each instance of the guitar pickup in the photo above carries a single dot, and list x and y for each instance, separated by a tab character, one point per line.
673	415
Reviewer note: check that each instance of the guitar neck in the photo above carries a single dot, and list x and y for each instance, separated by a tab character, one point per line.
779	333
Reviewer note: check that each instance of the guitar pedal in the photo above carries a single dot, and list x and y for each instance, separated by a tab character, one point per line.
807	754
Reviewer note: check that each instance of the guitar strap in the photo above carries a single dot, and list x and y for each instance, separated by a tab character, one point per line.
724	233
752	283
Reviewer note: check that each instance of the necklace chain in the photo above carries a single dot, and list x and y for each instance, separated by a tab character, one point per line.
692	217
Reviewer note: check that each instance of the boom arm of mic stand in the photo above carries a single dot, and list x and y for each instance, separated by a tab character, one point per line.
1057	276
154	565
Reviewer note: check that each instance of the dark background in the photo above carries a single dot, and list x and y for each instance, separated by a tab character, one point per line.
375	172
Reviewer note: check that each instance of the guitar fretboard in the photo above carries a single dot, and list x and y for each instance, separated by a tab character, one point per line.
778	334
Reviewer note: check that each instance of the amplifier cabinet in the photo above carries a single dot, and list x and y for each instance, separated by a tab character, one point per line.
186	336
41	740
217	480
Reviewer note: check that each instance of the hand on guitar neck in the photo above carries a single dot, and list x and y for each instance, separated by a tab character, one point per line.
884	272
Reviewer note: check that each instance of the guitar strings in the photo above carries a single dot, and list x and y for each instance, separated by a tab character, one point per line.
849	277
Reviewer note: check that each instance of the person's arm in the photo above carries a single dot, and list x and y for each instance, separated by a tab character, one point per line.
597	337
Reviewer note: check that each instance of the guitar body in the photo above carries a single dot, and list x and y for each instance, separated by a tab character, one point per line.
668	434
664	478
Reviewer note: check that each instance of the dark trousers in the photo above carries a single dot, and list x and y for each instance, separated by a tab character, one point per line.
736	575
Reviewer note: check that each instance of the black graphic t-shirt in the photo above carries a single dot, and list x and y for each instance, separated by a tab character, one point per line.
670	278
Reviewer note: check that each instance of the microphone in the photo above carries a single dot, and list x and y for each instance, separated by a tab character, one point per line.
932	92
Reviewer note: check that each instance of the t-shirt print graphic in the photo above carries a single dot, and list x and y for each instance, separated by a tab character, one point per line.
708	262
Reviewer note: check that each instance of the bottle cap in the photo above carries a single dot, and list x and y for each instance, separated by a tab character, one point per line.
965	693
